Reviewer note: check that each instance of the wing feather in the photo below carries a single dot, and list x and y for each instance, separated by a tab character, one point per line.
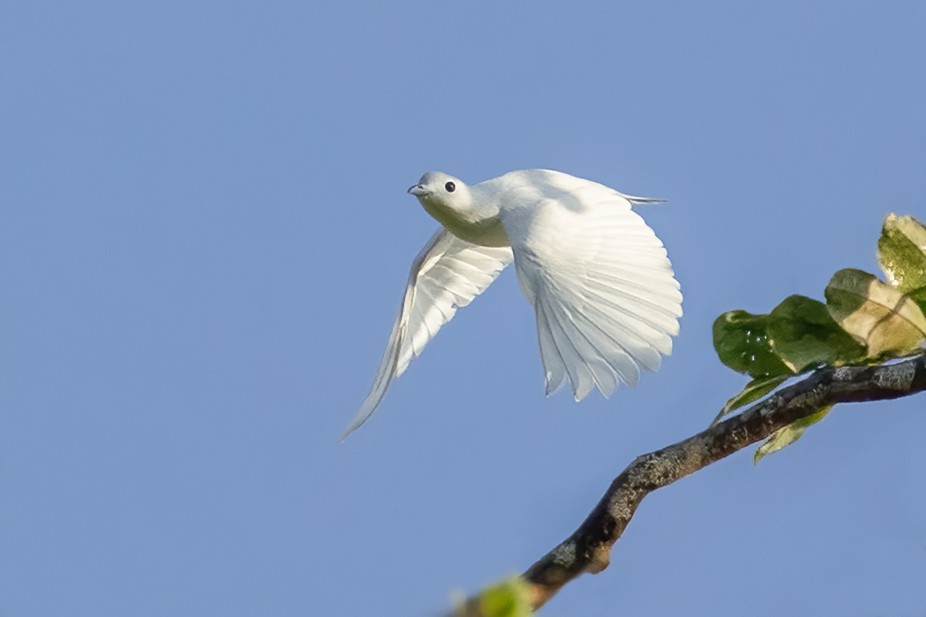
573	350
447	274
605	296
553	365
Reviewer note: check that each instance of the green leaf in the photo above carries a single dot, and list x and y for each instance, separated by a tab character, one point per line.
787	435
902	252
882	318
803	335
754	390
741	342
919	296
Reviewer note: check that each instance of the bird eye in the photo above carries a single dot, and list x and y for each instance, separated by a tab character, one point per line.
451	187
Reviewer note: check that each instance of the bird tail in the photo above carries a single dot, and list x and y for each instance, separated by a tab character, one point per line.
637	201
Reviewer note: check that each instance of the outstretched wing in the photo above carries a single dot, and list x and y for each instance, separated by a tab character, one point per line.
447	274
604	294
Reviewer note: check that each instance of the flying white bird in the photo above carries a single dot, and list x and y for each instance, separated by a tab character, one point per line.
603	291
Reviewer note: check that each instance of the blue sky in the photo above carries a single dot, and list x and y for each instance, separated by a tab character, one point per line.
204	235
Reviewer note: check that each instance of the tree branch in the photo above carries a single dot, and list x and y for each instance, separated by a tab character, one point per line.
588	549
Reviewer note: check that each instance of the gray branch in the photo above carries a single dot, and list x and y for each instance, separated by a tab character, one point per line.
588	549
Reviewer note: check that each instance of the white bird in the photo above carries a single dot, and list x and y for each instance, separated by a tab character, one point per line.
603	291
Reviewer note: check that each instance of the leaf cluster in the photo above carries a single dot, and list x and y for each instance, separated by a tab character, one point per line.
864	320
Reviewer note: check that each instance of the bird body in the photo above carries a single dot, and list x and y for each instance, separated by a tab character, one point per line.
604	295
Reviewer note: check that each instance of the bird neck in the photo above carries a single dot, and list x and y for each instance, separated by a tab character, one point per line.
478	224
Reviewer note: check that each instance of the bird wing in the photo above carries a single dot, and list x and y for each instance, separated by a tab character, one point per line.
447	274
604	294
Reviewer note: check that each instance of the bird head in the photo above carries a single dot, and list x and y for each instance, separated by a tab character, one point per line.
466	212
439	191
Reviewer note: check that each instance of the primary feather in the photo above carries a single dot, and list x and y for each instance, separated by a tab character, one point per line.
447	274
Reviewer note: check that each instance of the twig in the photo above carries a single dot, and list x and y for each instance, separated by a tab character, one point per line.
588	549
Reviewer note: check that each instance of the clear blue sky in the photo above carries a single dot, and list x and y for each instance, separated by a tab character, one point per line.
204	235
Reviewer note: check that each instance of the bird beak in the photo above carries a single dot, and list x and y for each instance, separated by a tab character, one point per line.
417	190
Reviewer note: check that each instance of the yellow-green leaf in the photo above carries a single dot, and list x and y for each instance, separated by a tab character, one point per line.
877	315
754	390
902	252
508	598
787	435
